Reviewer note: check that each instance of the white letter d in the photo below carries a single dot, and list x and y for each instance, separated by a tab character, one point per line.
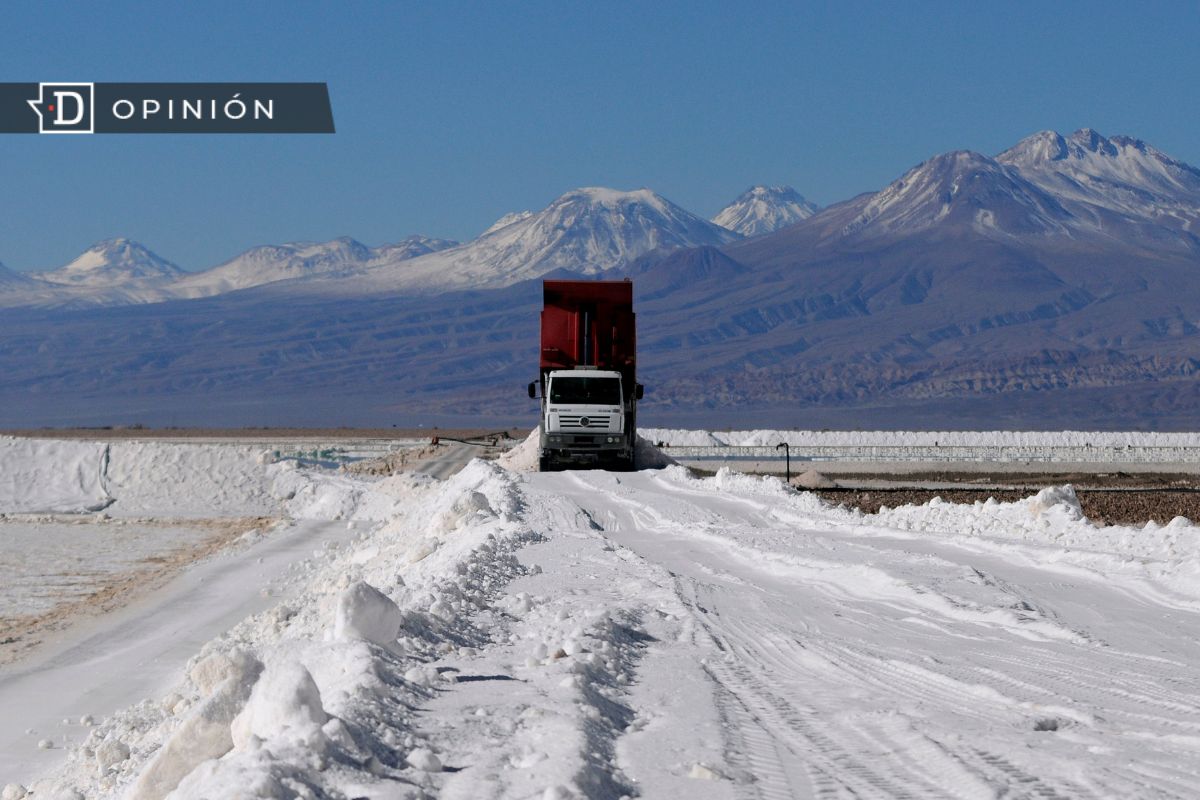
80	109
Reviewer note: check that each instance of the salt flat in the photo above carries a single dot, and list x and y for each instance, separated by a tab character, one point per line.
502	633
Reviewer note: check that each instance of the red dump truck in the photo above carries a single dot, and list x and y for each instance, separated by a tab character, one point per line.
588	384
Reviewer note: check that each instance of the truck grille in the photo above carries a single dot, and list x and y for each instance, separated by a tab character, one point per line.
595	422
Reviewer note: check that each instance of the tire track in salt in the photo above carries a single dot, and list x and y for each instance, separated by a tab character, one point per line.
831	754
993	672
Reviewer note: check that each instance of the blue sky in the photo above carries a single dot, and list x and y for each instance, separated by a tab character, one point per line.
452	114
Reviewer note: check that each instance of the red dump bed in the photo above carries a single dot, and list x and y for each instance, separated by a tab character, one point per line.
589	323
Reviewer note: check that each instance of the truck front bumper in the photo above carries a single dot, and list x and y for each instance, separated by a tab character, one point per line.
584	448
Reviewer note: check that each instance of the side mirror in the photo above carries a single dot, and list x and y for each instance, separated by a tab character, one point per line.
638	391
533	390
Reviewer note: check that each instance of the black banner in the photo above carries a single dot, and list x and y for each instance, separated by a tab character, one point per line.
67	108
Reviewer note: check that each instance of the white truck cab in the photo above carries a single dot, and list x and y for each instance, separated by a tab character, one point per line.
584	417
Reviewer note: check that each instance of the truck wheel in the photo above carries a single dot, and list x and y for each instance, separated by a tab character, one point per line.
544	464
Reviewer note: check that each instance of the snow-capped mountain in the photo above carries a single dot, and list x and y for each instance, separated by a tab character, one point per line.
506	220
1112	192
272	263
114	263
763	209
587	231
956	190
1120	174
300	261
119	271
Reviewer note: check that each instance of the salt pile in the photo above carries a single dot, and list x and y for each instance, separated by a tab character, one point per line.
811	479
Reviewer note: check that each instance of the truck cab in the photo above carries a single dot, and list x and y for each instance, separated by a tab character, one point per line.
585	419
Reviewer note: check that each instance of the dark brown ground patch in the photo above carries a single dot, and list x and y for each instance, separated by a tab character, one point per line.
1101	506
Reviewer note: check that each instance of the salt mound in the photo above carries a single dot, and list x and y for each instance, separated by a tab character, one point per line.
811	479
1057	498
523	457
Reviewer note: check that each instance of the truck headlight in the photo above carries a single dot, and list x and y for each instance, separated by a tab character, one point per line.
610	439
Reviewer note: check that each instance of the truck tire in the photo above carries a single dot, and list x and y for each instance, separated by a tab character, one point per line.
544	465
621	464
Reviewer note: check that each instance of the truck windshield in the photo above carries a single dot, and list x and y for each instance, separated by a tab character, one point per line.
598	391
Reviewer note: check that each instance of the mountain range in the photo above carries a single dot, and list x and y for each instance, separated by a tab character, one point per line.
589	231
1051	285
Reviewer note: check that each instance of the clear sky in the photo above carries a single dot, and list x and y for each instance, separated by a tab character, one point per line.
452	114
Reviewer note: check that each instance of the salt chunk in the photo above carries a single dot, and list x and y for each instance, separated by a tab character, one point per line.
204	735
442	610
704	773
339	734
111	753
213	670
524	603
421	549
424	759
364	612
422	676
285	698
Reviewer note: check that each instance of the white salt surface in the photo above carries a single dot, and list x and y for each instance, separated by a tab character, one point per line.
186	480
50	562
136	478
37	475
591	634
